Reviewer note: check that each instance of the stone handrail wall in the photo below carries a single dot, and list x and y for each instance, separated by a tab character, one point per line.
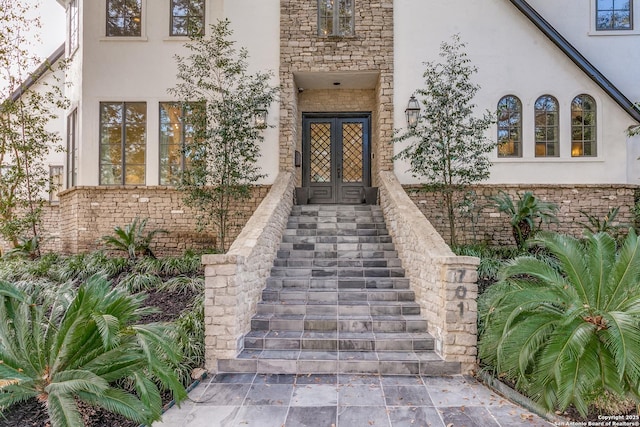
234	281
445	284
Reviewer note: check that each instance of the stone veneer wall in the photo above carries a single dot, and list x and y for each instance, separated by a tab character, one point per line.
234	281
88	213
445	285
50	240
370	49
493	227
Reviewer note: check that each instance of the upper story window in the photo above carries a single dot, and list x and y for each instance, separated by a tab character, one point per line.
187	17
509	127
614	15
124	18
74	26
123	138
583	126
336	18
546	127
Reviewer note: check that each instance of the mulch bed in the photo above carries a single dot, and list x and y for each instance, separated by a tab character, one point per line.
33	414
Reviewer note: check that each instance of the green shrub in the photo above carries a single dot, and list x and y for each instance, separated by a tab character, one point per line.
526	216
568	332
132	239
63	350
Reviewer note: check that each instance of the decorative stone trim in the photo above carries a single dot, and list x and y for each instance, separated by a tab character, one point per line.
445	285
234	281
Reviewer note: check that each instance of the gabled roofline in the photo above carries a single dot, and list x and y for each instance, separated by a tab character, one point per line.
39	72
592	72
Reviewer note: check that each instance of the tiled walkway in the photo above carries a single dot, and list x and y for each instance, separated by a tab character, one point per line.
242	400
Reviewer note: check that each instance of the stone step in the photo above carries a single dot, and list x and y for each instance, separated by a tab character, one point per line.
339	296
336	283
358	308
335	239
337	262
338	362
337	227
334	341
362	254
334	233
339	247
336	272
349	323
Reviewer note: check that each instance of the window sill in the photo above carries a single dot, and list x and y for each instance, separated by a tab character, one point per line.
123	39
614	33
547	160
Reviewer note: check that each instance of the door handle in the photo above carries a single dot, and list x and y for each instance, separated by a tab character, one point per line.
339	170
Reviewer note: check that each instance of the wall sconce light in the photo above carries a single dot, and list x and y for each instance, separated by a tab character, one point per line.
260	117
412	112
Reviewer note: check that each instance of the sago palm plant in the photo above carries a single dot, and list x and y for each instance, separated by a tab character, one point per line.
132	239
64	350
569	332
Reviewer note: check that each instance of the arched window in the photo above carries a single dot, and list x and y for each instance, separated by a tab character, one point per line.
546	127
583	126
509	127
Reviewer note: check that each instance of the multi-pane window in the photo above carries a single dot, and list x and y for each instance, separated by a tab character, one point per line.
187	17
72	149
122	142
583	126
614	15
56	175
74	26
546	127
124	18
509	127
336	18
176	137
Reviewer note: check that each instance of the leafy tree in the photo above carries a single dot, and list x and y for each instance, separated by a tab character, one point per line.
24	115
223	98
448	146
526	216
78	346
569	333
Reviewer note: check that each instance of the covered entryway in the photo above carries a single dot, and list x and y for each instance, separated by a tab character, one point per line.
336	157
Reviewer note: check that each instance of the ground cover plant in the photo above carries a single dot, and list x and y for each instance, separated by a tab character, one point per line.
173	284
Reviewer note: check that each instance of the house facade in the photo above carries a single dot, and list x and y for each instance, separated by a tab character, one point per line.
564	84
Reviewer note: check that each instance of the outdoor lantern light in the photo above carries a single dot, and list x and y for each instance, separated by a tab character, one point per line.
260	118
412	112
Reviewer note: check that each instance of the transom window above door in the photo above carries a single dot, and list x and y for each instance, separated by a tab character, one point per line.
336	18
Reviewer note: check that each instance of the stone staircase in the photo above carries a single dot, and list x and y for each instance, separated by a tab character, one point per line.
337	301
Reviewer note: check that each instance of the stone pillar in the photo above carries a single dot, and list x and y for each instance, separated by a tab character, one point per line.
459	289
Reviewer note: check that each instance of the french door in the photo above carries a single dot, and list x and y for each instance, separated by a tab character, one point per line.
336	160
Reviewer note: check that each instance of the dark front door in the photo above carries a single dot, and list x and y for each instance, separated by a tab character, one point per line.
336	162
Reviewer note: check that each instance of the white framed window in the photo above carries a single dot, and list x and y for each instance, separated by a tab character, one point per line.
74	27
336	18
614	17
176	135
